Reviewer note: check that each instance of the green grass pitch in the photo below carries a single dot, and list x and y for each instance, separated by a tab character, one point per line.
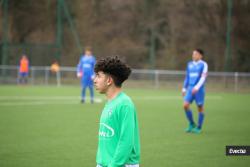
48	127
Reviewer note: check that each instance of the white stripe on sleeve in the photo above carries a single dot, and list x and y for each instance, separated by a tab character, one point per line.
203	76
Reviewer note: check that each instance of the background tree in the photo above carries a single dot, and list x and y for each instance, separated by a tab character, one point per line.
148	34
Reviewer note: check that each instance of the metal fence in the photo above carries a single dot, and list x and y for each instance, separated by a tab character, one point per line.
140	78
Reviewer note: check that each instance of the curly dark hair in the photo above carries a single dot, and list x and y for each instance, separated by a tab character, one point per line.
117	69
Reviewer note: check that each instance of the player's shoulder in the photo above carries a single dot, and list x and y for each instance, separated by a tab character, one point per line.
82	57
124	99
126	105
190	62
204	62
204	66
93	58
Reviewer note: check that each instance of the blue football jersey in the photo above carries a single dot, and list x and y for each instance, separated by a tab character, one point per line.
196	73
86	65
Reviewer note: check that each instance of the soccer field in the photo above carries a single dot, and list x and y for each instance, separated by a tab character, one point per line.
48	127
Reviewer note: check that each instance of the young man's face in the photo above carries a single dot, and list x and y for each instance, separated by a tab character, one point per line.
88	53
102	82
196	56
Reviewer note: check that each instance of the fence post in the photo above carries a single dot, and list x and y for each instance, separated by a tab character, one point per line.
18	75
46	75
58	78
156	79
236	76
32	75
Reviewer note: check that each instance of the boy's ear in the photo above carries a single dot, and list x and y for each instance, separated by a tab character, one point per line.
110	80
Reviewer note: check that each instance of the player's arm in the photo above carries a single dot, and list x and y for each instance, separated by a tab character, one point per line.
202	78
79	71
93	65
185	83
94	61
125	143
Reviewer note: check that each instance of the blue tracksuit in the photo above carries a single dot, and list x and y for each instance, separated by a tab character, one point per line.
86	67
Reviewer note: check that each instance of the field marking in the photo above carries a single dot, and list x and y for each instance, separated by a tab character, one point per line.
69	100
39	97
42	100
172	98
35	103
78	97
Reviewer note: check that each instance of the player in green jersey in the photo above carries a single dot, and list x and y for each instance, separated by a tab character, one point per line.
119	142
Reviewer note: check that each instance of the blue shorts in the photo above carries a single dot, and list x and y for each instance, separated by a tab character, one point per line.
23	74
199	96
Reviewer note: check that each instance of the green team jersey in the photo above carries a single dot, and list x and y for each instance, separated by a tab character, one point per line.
119	141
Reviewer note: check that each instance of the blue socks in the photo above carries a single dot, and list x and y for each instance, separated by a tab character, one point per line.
189	116
200	119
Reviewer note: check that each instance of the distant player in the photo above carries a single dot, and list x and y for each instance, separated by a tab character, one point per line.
119	143
23	70
85	71
55	69
194	89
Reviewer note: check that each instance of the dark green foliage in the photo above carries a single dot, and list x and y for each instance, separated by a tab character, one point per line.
134	29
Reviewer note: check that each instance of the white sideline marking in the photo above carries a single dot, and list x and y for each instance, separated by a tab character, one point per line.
172	98
40	97
67	100
42	100
34	103
98	99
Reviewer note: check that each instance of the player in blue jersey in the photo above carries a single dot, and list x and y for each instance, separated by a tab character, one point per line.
85	71
194	89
